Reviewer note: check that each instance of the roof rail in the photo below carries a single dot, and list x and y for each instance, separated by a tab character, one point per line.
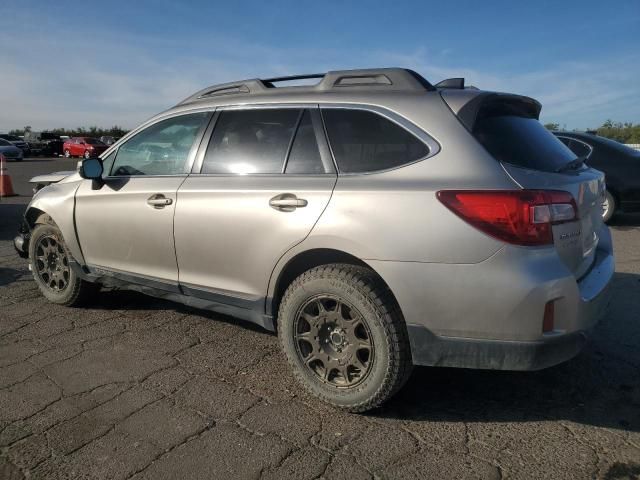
384	79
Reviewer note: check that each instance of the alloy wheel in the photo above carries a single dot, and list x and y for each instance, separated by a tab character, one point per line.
51	263
333	341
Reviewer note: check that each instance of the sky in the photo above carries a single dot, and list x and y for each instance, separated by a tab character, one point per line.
82	63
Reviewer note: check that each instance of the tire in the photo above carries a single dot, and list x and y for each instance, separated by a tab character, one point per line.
609	207
359	310
87	154
67	154
54	277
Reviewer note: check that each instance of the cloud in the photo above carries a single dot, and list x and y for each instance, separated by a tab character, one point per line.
79	77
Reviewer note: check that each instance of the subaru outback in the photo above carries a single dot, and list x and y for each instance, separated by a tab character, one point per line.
372	219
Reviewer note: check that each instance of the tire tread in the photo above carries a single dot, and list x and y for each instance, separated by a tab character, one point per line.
382	300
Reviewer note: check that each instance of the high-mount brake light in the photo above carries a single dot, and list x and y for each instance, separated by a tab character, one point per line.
519	217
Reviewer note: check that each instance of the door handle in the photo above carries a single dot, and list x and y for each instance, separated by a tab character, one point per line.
287	202
159	201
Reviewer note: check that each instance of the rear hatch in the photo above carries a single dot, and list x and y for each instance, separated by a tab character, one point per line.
508	128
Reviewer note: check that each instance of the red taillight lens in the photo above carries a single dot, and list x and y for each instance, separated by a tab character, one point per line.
520	217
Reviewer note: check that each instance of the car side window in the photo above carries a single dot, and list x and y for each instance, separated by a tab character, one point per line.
304	157
363	141
161	149
253	141
579	148
107	163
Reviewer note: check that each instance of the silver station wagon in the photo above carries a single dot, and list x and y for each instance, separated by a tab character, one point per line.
372	219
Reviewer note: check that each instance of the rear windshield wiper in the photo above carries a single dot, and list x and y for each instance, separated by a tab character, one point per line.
572	165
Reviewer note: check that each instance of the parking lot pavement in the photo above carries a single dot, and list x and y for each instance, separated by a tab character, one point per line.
142	388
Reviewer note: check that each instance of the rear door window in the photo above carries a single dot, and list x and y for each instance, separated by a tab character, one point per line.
364	141
304	157
522	141
254	141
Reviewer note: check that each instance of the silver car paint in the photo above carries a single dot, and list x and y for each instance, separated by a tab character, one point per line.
120	231
446	275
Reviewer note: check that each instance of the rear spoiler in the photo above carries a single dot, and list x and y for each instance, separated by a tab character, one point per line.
470	105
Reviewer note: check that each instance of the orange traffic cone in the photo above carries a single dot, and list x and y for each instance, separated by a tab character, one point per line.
6	187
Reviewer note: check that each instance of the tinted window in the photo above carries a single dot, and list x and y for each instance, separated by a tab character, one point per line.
305	155
161	149
522	141
250	141
4	143
364	141
579	148
93	141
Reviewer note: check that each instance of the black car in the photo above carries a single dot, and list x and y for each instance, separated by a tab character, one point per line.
620	164
44	143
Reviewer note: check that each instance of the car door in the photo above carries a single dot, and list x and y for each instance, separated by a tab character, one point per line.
257	190
77	147
125	225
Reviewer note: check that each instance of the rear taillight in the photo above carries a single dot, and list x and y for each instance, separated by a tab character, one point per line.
520	217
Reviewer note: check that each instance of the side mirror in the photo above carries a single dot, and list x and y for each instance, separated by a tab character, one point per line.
91	169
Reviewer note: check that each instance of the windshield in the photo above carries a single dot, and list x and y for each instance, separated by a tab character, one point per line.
93	141
523	142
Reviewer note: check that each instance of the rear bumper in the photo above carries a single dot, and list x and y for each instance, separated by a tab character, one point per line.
490	314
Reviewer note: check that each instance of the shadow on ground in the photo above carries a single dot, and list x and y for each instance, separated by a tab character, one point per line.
600	387
9	275
10	215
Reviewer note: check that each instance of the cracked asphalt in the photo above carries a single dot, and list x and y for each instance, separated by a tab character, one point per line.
140	388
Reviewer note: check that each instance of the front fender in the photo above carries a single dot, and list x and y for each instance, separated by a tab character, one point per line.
58	201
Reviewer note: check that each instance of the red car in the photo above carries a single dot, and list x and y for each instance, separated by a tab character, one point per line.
86	147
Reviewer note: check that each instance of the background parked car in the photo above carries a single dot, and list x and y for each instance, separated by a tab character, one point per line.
620	164
10	151
43	143
17	141
86	147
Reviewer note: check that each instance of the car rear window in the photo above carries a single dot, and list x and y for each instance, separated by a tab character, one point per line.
522	141
364	141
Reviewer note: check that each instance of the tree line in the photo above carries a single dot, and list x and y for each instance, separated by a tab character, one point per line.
626	132
115	131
